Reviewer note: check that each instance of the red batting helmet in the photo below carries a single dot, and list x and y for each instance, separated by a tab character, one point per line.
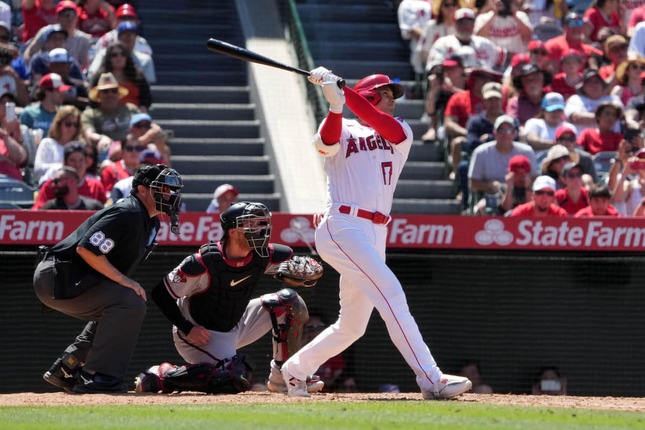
368	85
126	10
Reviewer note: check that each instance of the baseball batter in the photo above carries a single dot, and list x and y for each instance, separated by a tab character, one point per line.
363	161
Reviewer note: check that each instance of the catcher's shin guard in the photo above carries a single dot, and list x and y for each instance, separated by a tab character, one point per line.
230	377
287	337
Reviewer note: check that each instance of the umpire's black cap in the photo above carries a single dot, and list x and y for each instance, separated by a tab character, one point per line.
146	174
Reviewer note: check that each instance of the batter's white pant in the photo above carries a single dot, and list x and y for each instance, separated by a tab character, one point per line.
356	249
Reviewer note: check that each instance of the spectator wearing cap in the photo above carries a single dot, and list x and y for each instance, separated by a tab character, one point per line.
539	132
412	16
518	184
118	61
95	17
110	120
127	34
540	57
603	14
49	96
628	77
66	193
442	25
123	187
150	134
444	81
566	136
489	163
616	52
77	43
574	196
602	137
634	16
125	12
87	186
62	63
504	25
637	41
581	108
566	81
113	172
223	197
599	203
513	71
556	158
464	105
6	18
573	38
530	84
54	37
36	14
541	204
66	127
487	54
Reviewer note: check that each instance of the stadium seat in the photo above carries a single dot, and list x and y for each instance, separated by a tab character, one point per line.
15	194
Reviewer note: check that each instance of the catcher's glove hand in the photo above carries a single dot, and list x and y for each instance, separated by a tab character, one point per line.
299	271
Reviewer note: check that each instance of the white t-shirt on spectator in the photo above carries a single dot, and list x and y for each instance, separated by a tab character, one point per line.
487	54
637	42
504	31
541	128
412	14
581	103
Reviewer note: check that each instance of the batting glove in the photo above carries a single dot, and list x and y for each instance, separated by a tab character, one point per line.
334	95
319	75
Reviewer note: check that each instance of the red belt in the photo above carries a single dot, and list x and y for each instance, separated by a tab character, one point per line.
375	217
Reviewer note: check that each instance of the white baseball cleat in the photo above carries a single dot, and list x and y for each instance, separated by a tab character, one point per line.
447	387
276	383
295	387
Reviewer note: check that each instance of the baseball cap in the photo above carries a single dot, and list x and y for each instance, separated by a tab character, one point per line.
138	117
535	45
518	162
73	146
65	4
543	182
574	19
552	102
53	29
59	55
453	61
564	129
127	26
126	10
464	13
223	189
492	89
569	166
151	156
614	41
504	119
590	74
53	81
519	59
6	25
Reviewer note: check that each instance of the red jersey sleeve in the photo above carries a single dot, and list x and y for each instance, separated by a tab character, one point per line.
384	124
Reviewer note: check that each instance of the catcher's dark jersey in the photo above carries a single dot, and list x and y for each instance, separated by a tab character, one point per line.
214	291
123	232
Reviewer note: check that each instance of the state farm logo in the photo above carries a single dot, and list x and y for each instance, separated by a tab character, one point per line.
493	232
300	228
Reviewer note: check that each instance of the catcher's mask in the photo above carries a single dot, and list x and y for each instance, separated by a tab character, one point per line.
254	220
166	185
368	86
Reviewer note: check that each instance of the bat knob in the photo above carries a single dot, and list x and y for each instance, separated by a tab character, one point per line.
341	83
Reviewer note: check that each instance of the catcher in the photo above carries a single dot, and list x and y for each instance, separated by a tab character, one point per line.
208	300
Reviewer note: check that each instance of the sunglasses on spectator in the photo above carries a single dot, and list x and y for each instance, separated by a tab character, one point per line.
543	192
132	148
116	54
539	52
563	158
567	139
638	66
142	124
573	175
72	124
110	91
575	23
4	38
507	130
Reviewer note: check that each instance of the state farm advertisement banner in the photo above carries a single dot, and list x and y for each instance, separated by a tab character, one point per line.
413	231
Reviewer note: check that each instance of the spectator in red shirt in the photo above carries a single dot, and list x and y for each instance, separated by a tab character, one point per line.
96	17
542	203
37	14
599	203
114	172
603	137
572	38
574	196
566	82
616	53
603	14
463	105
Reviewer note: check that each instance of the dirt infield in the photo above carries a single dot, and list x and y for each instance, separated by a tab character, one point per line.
61	399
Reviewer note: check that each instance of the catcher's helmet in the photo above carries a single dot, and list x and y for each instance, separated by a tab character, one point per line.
254	220
368	85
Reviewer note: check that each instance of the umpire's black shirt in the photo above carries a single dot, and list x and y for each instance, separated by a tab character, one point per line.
123	232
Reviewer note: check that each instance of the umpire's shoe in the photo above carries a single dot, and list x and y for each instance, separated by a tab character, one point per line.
276	384
447	387
99	383
64	372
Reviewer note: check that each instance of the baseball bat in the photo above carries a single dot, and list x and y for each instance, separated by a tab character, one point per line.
244	54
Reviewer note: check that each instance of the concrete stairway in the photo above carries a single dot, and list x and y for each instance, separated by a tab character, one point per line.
204	99
361	37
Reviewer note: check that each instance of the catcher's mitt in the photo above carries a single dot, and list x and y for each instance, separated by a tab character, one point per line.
299	271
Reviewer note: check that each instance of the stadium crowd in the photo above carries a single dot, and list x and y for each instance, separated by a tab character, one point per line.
539	103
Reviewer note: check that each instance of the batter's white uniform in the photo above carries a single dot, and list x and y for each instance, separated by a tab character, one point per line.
362	175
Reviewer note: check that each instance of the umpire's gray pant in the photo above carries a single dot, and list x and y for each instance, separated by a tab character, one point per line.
117	310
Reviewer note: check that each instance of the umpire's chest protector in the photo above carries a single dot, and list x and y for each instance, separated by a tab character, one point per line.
222	305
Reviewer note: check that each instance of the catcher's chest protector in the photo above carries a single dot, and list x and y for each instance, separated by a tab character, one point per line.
222	305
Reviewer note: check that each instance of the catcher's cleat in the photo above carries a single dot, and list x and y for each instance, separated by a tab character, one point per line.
61	376
447	387
276	383
99	384
295	387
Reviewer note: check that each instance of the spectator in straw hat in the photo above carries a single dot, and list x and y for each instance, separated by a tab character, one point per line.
616	52
566	136
109	120
628	77
556	158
